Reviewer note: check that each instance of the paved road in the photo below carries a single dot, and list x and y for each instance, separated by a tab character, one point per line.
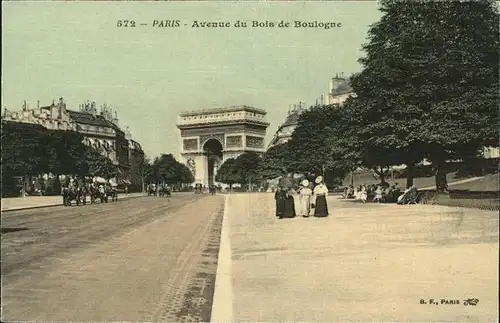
142	259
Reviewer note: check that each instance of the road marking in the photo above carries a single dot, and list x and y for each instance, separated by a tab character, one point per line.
222	306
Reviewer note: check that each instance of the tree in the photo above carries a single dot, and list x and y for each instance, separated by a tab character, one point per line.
275	161
249	165
311	147
22	153
166	169
429	87
184	174
66	152
228	173
98	165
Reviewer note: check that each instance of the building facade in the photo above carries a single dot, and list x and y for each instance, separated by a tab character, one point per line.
285	131
137	162
100	129
340	90
209	137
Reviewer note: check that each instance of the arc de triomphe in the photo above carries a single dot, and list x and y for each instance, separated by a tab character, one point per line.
209	137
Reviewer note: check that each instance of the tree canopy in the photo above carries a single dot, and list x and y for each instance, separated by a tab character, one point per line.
275	161
310	149
245	169
429	84
29	150
167	169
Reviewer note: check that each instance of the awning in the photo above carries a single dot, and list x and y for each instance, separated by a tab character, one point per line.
99	180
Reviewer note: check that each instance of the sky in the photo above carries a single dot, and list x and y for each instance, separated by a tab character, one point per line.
151	74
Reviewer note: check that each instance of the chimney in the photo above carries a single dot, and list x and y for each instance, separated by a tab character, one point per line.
38	104
93	109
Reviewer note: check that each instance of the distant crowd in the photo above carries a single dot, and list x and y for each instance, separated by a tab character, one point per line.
382	193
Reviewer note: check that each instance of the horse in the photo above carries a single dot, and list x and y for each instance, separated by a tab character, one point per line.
151	191
96	194
72	193
164	191
111	192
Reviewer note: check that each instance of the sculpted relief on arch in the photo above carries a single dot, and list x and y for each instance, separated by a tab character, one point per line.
190	144
191	165
234	142
255	142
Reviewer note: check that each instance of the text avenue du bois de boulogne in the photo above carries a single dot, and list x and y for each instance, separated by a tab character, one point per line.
126	23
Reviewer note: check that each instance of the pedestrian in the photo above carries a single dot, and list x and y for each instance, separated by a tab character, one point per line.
378	194
280	197
289	211
320	193
305	198
363	194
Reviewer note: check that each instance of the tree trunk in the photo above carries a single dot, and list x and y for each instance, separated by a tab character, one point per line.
440	176
381	174
410	171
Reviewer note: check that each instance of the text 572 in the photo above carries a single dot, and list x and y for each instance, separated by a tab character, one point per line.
125	23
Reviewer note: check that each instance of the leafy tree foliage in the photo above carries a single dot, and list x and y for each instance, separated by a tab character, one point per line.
185	175
228	173
429	87
29	150
275	161
66	152
250	166
167	169
310	149
22	153
245	169
97	164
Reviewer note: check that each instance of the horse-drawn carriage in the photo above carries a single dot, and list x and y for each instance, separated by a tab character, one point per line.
164	191
103	194
74	193
198	189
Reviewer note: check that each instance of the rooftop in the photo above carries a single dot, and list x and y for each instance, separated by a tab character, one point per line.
221	110
343	88
292	119
88	118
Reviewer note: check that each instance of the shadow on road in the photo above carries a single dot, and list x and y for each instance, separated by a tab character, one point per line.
9	230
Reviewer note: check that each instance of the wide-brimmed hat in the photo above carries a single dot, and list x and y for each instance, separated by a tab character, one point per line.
305	182
319	179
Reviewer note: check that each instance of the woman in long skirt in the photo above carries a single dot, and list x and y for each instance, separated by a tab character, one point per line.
280	197
320	193
289	205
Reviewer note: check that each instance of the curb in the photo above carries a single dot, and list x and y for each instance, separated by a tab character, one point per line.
222	304
54	205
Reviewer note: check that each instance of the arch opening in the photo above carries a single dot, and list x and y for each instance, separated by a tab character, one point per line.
213	151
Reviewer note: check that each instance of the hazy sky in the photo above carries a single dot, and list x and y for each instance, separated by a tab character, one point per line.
151	74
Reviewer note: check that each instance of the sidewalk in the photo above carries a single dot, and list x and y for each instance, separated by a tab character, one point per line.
467	180
364	263
29	202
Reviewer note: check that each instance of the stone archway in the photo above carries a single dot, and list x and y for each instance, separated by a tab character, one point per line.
213	151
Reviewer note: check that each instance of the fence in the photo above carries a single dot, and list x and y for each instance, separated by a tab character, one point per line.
484	200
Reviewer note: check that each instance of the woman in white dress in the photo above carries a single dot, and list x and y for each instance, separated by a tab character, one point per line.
305	199
378	194
363	195
320	193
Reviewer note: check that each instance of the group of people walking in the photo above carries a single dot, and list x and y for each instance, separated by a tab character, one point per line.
312	199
